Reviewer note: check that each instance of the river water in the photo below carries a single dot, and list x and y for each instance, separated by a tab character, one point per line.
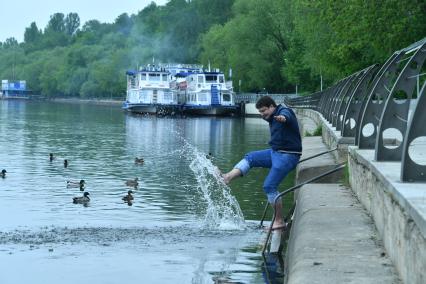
184	225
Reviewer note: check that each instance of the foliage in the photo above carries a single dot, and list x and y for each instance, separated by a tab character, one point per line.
341	37
252	43
272	44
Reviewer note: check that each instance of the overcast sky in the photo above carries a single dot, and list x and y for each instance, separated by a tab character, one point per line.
16	15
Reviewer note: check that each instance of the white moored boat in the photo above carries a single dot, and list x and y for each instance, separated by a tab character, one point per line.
148	91
206	93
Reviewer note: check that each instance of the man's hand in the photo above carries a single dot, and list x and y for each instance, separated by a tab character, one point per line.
280	118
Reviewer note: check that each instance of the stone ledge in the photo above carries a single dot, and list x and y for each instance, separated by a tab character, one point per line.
334	241
398	210
410	196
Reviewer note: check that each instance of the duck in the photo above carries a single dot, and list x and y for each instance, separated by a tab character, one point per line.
139	160
82	199
129	197
65	163
133	183
3	173
80	184
51	157
209	156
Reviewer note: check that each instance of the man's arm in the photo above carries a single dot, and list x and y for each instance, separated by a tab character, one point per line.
280	118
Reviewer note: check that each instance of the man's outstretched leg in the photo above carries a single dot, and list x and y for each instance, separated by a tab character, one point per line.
258	159
234	173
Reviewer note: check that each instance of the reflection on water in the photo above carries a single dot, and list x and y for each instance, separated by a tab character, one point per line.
273	268
183	226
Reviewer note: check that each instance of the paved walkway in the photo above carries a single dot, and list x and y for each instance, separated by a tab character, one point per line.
333	239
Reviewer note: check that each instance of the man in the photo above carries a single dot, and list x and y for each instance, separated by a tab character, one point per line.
285	152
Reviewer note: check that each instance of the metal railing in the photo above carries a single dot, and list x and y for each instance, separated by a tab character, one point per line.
374	106
277	198
300	161
253	98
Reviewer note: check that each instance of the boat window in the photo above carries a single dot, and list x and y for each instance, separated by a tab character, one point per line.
221	79
154	77
164	77
211	79
226	97
200	79
143	76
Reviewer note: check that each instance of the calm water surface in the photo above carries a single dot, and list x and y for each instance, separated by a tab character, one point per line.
184	225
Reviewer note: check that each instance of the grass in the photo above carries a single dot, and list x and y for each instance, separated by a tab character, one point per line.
317	132
345	180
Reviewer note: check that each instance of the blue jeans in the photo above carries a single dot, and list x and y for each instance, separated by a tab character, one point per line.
280	165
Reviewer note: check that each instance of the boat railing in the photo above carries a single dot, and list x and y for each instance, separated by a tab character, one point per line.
254	97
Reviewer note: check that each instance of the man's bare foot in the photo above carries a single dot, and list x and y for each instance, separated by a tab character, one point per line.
226	178
231	175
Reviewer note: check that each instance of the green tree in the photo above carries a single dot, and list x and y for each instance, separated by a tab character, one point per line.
253	43
32	34
56	23
10	42
272	44
55	33
342	37
123	24
72	23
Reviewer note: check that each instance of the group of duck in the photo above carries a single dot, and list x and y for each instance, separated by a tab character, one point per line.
85	199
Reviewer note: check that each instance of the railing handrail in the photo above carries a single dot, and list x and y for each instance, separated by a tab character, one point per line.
339	167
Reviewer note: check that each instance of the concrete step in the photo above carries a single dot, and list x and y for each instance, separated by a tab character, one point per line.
333	240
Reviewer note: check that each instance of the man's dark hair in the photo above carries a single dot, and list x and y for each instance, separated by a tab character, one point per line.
265	101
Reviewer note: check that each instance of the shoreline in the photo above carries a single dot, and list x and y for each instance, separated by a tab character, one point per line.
106	102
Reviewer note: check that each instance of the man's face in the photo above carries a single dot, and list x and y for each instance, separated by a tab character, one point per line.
266	112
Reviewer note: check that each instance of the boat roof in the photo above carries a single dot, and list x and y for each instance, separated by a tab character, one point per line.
131	72
183	74
134	72
207	73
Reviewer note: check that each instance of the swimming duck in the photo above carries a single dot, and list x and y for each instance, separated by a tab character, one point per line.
129	197
65	163
133	183
139	160
51	157
3	173
80	184
82	199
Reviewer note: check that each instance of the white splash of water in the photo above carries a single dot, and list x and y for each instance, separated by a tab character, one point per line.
223	211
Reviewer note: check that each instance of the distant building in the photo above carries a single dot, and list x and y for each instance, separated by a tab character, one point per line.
14	90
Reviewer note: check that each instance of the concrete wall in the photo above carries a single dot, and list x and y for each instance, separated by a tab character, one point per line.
330	136
251	110
397	209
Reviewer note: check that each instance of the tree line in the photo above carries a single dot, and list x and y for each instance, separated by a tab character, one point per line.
271	44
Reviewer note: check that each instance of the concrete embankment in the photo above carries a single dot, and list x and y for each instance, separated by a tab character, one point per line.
106	102
333	238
